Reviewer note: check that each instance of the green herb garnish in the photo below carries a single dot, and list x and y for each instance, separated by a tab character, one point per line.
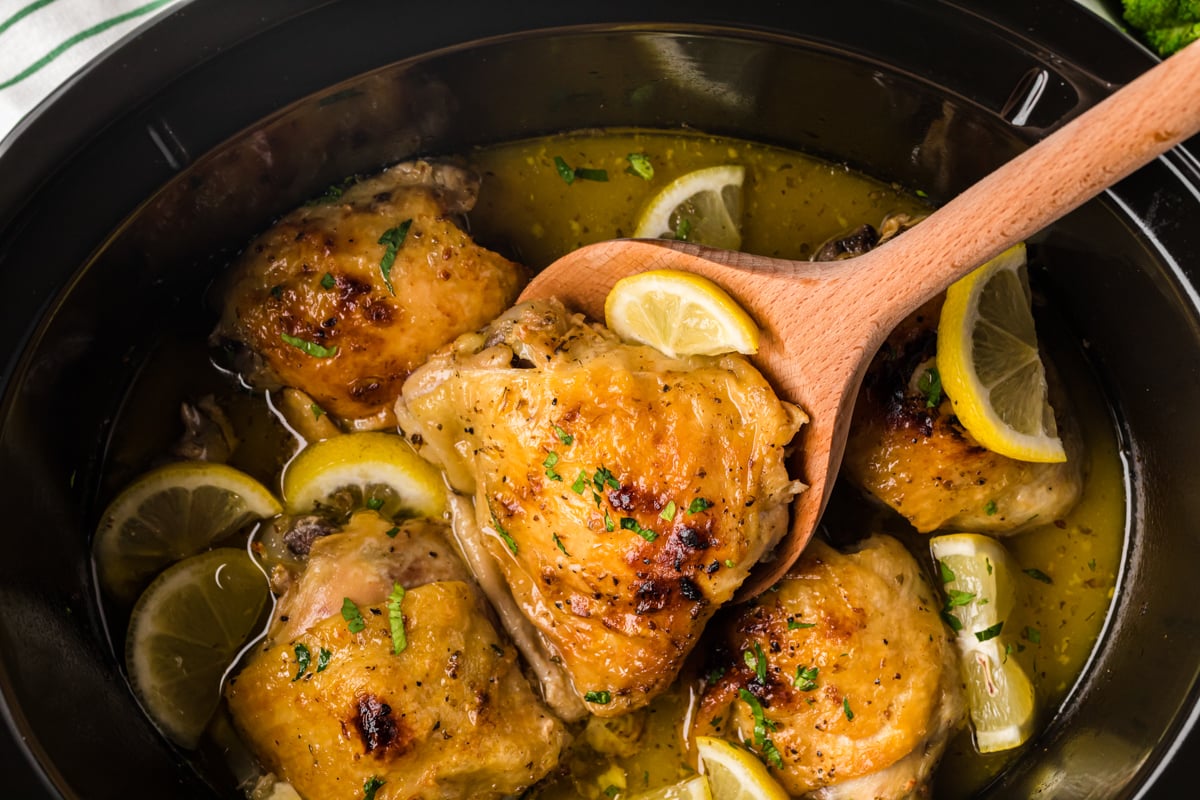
683	230
846	708
608	522
930	385
559	543
631	524
564	170
563	436
549	462
956	598
323	657
396	619
951	620
989	507
1038	575
392	239
611	791
354	618
668	513
310	348
327	281
947	573
316	410
990	633
796	625
756	660
391	532
761	723
508	540
1032	635
588	174
806	679
602	697
372	786
698	505
374	503
639	165
303	659
774	757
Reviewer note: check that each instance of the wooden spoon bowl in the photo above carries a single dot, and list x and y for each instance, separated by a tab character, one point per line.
823	322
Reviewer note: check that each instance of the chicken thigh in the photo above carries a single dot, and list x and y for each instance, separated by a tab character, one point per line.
428	704
623	494
342	299
908	449
843	678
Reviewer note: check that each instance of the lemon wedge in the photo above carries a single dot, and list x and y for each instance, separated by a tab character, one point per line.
374	470
987	355
734	773
679	313
703	206
170	513
691	789
185	632
978	578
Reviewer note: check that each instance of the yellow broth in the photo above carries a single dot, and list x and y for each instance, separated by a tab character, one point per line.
792	205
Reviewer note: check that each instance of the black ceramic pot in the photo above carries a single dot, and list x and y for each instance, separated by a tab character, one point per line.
115	196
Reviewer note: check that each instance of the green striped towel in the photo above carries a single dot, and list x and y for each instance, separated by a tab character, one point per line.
44	42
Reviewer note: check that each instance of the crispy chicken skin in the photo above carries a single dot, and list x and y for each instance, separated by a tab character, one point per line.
921	462
441	285
451	716
872	720
624	494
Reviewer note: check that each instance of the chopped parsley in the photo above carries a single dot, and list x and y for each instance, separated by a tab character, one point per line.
990	633
730	563
951	620
611	790
1092	565
354	618
988	562
698	505
391	532
309	348
604	477
392	239
957	598
639	165
374	503
327	281
683	230
570	175
303	659
323	657
372	786
602	697
559	544
806	679
631	524
563	436
947	573
396	619
580	483
1032	635
756	660
797	625
774	757
668	513
608	522
508	540
761	723
715	675
277	291
316	410
1038	575
930	386
548	463
989	507
846	708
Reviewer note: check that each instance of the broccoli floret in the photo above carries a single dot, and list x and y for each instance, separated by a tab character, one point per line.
1166	25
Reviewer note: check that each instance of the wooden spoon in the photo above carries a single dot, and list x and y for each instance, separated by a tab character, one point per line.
823	322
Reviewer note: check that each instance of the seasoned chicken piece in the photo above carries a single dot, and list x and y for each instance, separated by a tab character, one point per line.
329	708
343	299
843	679
918	459
623	494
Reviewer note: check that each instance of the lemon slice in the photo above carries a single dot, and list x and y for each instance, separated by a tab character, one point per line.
691	789
170	513
679	313
734	773
373	470
185	632
978	578
703	206
987	355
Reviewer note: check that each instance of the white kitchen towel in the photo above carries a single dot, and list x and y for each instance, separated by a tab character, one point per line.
45	42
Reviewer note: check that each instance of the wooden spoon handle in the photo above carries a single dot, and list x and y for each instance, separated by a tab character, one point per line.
1151	115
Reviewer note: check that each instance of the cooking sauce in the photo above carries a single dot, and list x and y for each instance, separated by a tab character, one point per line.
792	205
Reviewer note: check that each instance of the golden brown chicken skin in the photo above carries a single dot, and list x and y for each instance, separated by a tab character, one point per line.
842	678
907	449
343	299
328	708
624	494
